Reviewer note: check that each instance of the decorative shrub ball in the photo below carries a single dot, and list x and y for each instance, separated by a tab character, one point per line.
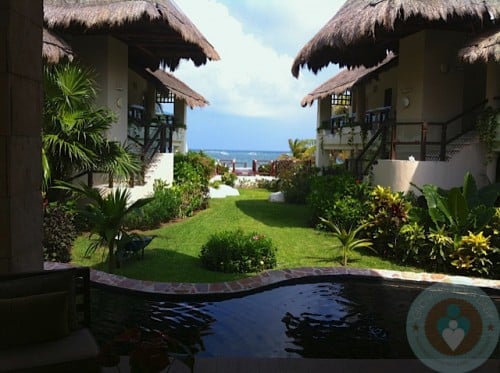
238	252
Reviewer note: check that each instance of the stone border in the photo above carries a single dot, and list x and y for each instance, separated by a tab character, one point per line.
269	278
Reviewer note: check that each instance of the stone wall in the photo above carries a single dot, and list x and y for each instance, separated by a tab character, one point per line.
20	135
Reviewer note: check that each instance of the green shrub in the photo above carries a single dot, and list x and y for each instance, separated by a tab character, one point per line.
339	199
165	206
193	167
229	178
296	182
59	232
272	185
238	252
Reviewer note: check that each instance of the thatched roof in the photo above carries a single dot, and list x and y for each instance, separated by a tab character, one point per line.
55	48
346	79
485	47
156	31
167	82
363	31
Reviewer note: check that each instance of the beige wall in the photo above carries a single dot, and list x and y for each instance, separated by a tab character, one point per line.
109	58
324	112
137	88
375	89
398	174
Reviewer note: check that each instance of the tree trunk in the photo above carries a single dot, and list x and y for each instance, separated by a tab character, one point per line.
111	257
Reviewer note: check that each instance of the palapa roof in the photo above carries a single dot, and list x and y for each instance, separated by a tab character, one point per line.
346	79
167	82
54	48
485	47
363	31
156	31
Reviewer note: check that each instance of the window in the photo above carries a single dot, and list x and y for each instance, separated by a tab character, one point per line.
163	98
342	99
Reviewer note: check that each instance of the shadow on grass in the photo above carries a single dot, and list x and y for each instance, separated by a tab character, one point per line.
275	214
168	265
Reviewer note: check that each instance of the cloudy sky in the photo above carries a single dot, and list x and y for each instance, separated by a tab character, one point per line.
254	99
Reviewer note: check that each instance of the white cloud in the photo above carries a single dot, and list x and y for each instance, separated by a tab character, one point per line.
253	78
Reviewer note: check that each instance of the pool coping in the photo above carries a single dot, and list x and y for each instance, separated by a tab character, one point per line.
269	278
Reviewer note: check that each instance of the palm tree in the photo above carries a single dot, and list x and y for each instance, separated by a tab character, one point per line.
105	216
347	239
302	149
73	128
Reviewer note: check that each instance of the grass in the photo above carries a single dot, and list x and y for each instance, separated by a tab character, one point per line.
173	254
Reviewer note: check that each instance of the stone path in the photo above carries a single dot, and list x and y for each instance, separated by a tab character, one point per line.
269	278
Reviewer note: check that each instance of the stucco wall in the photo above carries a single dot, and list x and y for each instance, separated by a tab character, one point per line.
398	174
109	58
324	112
375	89
137	87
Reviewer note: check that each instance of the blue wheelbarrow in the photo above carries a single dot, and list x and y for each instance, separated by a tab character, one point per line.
134	247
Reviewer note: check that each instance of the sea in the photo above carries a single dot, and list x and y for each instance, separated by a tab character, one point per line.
243	158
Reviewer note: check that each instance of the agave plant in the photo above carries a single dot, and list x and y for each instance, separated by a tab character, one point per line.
105	215
347	239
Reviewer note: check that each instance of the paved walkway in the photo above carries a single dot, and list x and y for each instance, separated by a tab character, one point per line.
269	278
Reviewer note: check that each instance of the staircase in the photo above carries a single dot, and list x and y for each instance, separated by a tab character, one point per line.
454	147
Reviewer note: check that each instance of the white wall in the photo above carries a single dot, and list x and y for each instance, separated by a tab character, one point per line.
398	174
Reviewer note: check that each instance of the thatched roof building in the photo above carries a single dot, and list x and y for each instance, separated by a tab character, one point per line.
54	48
167	82
346	79
363	31
485	47
157	32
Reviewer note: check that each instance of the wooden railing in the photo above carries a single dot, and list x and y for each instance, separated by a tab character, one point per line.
376	148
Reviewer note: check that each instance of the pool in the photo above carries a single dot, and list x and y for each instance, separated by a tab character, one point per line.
326	317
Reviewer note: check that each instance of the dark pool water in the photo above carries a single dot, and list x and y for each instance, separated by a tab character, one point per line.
330	318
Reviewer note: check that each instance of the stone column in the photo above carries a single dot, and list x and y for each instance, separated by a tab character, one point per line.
324	113
180	115
20	135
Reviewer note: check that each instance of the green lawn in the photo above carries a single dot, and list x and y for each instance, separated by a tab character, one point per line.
173	254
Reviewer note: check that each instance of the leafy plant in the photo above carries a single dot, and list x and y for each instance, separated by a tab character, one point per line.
229	178
296	182
388	212
59	232
461	209
105	216
487	124
238	252
347	239
73	135
414	244
473	253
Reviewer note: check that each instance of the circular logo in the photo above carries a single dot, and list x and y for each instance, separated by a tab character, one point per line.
453	328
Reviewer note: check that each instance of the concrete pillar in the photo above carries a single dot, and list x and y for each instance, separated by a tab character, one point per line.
493	84
180	117
324	114
20	135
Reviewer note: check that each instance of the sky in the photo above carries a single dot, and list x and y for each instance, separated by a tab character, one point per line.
254	99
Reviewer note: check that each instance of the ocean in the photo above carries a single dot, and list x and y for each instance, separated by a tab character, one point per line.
244	158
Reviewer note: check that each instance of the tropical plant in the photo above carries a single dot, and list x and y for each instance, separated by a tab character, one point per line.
347	239
302	149
487	124
73	139
59	232
388	212
460	209
474	253
105	216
